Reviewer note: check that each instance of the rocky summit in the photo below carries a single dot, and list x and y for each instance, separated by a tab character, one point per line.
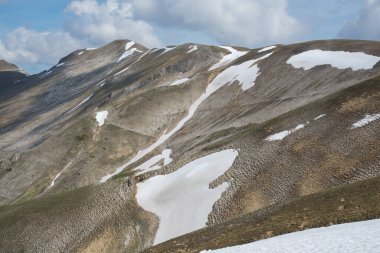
188	148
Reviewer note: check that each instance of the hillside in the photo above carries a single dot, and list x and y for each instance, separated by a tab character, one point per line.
120	148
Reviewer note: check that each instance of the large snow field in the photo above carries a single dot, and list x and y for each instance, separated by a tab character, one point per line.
356	237
338	59
183	199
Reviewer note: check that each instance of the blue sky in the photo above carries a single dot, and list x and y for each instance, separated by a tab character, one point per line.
36	34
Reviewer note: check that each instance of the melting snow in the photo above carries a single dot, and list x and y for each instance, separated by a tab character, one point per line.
81	103
59	64
245	73
167	49
46	74
366	120
59	174
180	81
319	117
80	53
192	48
227	76
266	49
129	45
121	71
353	237
281	135
337	59
233	55
101	117
91	48
183	199
151	164
128	53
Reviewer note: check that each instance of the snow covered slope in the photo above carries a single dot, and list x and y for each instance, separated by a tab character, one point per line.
348	238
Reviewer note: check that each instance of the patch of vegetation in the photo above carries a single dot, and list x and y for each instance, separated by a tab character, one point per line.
81	137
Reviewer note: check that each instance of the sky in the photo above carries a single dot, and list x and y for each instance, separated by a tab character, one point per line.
36	34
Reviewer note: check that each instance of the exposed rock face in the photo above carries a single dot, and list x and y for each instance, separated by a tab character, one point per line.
291	125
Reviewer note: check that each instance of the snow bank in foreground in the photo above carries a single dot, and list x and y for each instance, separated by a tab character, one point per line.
266	49
180	81
101	117
233	55
183	199
337	59
366	120
152	163
344	238
281	135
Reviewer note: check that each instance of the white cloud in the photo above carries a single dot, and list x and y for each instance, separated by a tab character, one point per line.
99	23
366	25
244	22
28	46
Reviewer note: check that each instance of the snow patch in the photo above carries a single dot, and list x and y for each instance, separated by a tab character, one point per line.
166	49
46	74
151	164
58	175
183	199
281	135
101	117
81	52
91	48
101	83
245	73
349	238
337	59
81	103
59	64
121	71
180	81
130	44
192	48
233	55
266	49
320	116
366	120
128	53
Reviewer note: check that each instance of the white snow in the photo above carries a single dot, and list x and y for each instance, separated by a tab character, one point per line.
245	73
58	175
281	135
121	71
101	117
320	116
226	76
183	199
59	64
192	48
366	120
166	49
353	237
180	81
266	49
338	59
81	52
128	53
151	164
128	45
101	83
91	48
81	103
233	55
46	74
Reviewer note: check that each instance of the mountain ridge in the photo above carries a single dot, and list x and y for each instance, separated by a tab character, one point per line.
109	121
